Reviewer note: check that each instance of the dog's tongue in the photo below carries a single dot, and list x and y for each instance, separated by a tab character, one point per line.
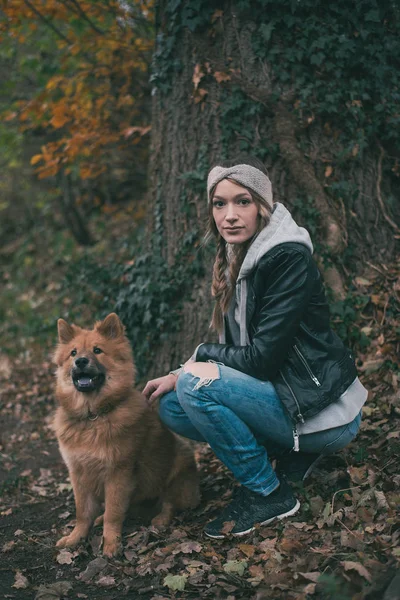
84	381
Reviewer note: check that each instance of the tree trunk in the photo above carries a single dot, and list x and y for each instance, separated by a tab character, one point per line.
72	214
213	97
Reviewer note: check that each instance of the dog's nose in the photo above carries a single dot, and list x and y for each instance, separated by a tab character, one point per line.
81	362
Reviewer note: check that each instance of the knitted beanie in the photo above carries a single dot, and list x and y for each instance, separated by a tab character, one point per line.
250	177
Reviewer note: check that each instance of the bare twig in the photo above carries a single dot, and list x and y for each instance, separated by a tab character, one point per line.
384	311
346	490
351	532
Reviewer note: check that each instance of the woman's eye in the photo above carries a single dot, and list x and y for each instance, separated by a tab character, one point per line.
73	353
244	201
97	350
218	203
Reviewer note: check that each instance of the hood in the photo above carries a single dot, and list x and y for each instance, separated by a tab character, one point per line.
281	228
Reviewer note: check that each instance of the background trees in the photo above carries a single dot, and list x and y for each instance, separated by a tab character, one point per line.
311	89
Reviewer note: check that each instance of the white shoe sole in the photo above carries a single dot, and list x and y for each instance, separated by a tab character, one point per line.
291	512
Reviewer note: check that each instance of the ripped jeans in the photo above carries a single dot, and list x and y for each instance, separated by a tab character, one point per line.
242	419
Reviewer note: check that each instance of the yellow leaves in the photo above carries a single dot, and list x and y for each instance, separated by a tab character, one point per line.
60	116
90	101
54	82
49	171
328	171
35	159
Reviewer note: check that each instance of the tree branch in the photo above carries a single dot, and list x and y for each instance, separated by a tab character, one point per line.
85	16
47	22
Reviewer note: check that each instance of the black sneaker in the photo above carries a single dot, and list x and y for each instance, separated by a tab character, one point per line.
297	466
247	509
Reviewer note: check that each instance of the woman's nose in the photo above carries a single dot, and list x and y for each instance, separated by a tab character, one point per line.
231	214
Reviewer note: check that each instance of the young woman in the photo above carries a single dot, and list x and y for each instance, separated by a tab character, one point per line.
279	382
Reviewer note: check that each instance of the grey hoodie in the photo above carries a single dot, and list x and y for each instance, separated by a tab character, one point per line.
281	228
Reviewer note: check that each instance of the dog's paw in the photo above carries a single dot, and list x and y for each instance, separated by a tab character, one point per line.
67	542
112	548
161	521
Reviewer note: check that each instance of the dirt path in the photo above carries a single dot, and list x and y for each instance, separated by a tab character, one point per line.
341	545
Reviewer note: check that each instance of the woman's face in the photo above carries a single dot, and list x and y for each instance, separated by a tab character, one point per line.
235	212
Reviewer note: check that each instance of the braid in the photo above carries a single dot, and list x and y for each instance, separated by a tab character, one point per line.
219	286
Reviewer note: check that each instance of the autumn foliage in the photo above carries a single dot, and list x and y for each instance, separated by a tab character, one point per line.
96	101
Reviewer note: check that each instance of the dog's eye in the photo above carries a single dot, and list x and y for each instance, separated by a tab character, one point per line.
73	353
97	350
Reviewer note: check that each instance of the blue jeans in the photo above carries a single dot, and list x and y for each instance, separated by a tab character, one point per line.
242	419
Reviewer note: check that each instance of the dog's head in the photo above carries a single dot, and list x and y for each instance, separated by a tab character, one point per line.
92	360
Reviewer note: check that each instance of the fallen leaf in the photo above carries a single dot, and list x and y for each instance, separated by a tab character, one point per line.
94	567
106	580
64	557
64	515
257	572
362	281
20	582
55	591
235	566
8	546
228	526
188	548
175	582
247	549
357	474
313	576
328	171
350	565
381	501
309	590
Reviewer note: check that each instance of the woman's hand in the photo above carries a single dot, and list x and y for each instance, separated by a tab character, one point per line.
158	387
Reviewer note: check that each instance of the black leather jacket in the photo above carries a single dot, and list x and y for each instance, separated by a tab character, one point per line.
291	342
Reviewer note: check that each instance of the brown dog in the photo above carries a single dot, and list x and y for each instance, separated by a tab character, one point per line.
116	449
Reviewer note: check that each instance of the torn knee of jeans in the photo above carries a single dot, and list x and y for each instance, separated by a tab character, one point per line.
206	372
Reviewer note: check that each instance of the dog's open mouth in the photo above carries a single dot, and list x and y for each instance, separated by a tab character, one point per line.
87	382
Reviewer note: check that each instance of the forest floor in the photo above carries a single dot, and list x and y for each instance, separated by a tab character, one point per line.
343	544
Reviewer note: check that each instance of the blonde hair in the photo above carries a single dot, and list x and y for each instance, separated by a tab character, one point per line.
229	259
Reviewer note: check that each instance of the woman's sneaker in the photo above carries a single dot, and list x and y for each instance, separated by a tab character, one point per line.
297	466
247	509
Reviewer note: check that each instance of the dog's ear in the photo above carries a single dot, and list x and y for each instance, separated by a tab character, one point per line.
111	327
65	331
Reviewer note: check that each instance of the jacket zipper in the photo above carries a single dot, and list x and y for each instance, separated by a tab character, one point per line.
300	416
303	360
